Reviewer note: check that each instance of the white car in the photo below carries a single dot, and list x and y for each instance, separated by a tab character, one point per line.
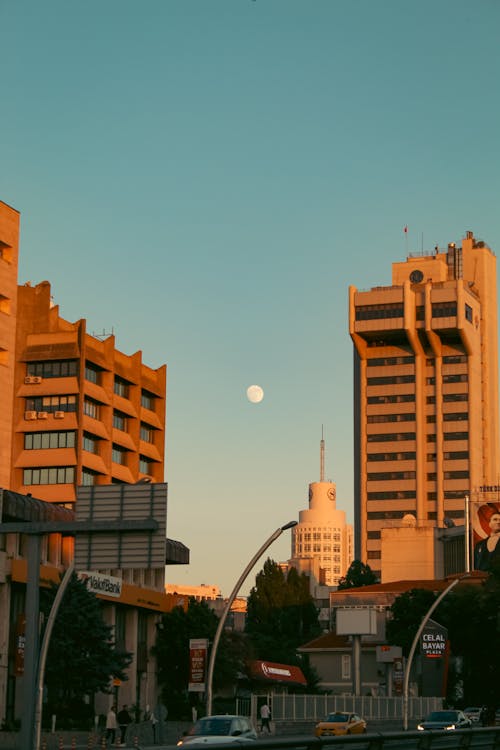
449	720
220	729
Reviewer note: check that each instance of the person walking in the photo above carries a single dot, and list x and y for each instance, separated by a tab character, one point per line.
123	721
265	717
111	724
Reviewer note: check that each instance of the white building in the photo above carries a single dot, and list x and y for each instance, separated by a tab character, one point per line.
322	534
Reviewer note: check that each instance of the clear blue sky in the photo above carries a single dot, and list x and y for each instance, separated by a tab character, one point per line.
207	177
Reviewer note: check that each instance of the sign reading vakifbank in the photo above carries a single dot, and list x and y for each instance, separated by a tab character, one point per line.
98	583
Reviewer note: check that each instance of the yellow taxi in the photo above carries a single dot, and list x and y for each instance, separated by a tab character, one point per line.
340	723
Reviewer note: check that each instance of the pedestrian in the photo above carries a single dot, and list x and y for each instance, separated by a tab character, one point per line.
123	721
111	724
265	716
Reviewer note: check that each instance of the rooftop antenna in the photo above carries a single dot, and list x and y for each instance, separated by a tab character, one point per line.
322	458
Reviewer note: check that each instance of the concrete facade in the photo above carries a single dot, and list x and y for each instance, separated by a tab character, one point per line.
425	391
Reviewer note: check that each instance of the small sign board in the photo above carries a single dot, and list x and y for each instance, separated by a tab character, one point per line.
198	650
121	549
356	621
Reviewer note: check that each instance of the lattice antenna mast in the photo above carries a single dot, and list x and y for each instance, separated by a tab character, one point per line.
322	458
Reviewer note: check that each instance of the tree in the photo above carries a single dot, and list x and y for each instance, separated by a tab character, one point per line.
82	657
357	575
174	631
406	614
281	616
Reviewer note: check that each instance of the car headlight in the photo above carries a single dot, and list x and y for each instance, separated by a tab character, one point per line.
452	726
420	727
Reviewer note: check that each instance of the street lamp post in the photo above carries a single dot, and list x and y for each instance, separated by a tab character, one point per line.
231	599
415	643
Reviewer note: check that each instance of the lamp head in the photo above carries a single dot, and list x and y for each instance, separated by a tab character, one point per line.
289	525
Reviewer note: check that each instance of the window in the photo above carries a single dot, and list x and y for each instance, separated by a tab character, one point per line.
44	440
118	454
404	456
431	419
452	397
389	476
89	477
456	435
92	373
387	515
390	437
382	418
468	313
456	455
457	416
51	404
375	312
121	387
147	433
456	474
373	535
397	495
399	398
391	380
49	475
391	361
90	443
91	408
147	400
145	465
346	666
455	378
444	309
56	368
455	359
119	421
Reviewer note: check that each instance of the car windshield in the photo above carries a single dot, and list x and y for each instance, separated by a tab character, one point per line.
442	716
218	727
337	717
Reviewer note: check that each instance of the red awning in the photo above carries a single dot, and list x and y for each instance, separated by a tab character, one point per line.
267	670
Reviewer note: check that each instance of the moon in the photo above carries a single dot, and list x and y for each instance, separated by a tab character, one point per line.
255	394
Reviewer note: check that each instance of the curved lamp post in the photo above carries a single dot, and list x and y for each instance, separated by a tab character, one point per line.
415	642
231	599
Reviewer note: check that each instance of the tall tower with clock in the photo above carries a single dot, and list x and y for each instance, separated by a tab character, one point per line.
322	535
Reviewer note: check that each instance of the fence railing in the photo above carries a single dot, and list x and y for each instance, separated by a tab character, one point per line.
297	707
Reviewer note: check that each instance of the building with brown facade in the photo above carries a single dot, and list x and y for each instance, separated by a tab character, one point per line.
425	392
75	410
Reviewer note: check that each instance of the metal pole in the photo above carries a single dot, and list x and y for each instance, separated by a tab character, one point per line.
45	647
414	646
467	534
231	599
31	642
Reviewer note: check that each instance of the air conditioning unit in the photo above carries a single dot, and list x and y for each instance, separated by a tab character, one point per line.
32	379
58	415
43	415
30	414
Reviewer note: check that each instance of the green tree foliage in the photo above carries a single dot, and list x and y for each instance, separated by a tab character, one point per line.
82	657
281	616
407	612
471	613
172	652
357	575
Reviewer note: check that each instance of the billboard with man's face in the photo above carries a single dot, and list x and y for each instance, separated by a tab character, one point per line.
485	523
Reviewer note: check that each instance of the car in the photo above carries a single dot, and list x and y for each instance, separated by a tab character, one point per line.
448	720
340	722
472	713
220	729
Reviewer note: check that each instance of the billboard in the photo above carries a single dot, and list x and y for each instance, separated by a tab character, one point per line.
198	650
485	526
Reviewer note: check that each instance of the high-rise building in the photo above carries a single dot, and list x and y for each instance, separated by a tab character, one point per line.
75	410
425	391
322	540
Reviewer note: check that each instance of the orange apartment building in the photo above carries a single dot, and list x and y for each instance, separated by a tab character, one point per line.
425	391
80	411
73	411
